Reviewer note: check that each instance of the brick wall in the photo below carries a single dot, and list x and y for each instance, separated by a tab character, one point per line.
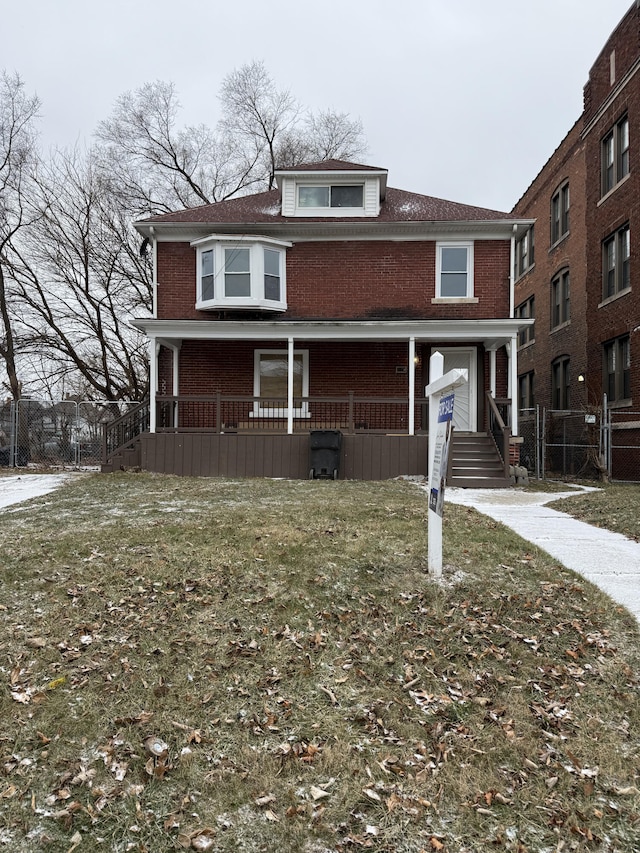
353	280
606	105
566	163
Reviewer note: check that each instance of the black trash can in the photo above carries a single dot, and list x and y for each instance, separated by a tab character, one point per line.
324	454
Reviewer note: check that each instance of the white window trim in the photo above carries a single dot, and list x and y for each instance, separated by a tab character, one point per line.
469	295
336	212
257	300
258	410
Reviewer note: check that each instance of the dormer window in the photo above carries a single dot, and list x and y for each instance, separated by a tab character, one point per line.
241	273
331	196
332	189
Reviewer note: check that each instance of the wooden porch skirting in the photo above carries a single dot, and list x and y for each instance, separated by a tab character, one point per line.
363	457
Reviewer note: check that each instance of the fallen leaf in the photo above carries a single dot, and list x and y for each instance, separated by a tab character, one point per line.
373	795
201	839
318	793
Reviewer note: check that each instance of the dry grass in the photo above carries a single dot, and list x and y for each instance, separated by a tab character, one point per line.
615	507
305	685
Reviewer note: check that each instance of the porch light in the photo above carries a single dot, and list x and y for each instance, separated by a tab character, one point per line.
581	377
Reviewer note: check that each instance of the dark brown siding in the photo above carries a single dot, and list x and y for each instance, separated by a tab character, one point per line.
364	457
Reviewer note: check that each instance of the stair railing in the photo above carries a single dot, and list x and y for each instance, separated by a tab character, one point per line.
500	432
124	429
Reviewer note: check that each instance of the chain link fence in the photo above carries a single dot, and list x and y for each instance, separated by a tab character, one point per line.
63	433
596	444
623	449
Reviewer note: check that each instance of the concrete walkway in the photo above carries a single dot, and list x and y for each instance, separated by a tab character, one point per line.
607	559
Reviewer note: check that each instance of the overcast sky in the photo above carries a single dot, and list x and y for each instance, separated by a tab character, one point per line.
461	99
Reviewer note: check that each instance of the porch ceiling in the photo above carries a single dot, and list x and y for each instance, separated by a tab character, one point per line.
493	333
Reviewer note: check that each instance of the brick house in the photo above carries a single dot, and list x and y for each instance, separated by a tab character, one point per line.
317	305
578	281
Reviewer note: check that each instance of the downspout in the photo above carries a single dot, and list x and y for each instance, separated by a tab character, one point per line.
154	265
412	385
512	278
513	350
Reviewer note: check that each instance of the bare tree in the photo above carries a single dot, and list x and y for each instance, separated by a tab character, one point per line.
257	115
18	112
81	277
155	166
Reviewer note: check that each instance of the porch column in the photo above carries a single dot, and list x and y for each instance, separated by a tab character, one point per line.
153	383
290	360
492	372
412	385
512	350
176	384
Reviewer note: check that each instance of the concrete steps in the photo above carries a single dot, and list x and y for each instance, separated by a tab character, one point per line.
475	462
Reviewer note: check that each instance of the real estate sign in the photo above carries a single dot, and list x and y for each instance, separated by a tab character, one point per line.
441	454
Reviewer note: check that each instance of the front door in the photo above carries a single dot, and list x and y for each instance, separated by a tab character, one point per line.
465	411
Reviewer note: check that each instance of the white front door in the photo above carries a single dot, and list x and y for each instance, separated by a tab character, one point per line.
465	410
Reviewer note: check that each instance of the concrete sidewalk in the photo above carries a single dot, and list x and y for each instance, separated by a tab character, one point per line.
609	560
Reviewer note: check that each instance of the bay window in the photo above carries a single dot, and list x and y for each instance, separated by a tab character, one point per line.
241	273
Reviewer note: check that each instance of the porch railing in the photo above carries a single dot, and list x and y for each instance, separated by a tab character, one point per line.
232	413
498	412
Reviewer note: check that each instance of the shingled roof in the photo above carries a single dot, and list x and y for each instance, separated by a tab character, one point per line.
398	206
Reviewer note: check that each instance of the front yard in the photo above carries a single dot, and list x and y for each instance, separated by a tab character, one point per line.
265	665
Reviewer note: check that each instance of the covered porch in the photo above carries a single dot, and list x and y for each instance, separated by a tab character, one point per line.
288	370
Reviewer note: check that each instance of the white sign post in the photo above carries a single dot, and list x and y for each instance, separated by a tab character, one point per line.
441	403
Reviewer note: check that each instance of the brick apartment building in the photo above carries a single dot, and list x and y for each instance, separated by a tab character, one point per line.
575	267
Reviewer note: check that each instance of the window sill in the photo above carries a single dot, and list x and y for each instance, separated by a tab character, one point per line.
524	273
283	414
560	327
242	304
615	297
619	404
455	300
610	192
526	345
559	241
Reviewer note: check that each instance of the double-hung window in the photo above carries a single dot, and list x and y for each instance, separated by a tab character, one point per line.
616	263
271	383
526	391
560	306
454	270
560	383
525	311
241	272
615	155
525	257
560	213
617	369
